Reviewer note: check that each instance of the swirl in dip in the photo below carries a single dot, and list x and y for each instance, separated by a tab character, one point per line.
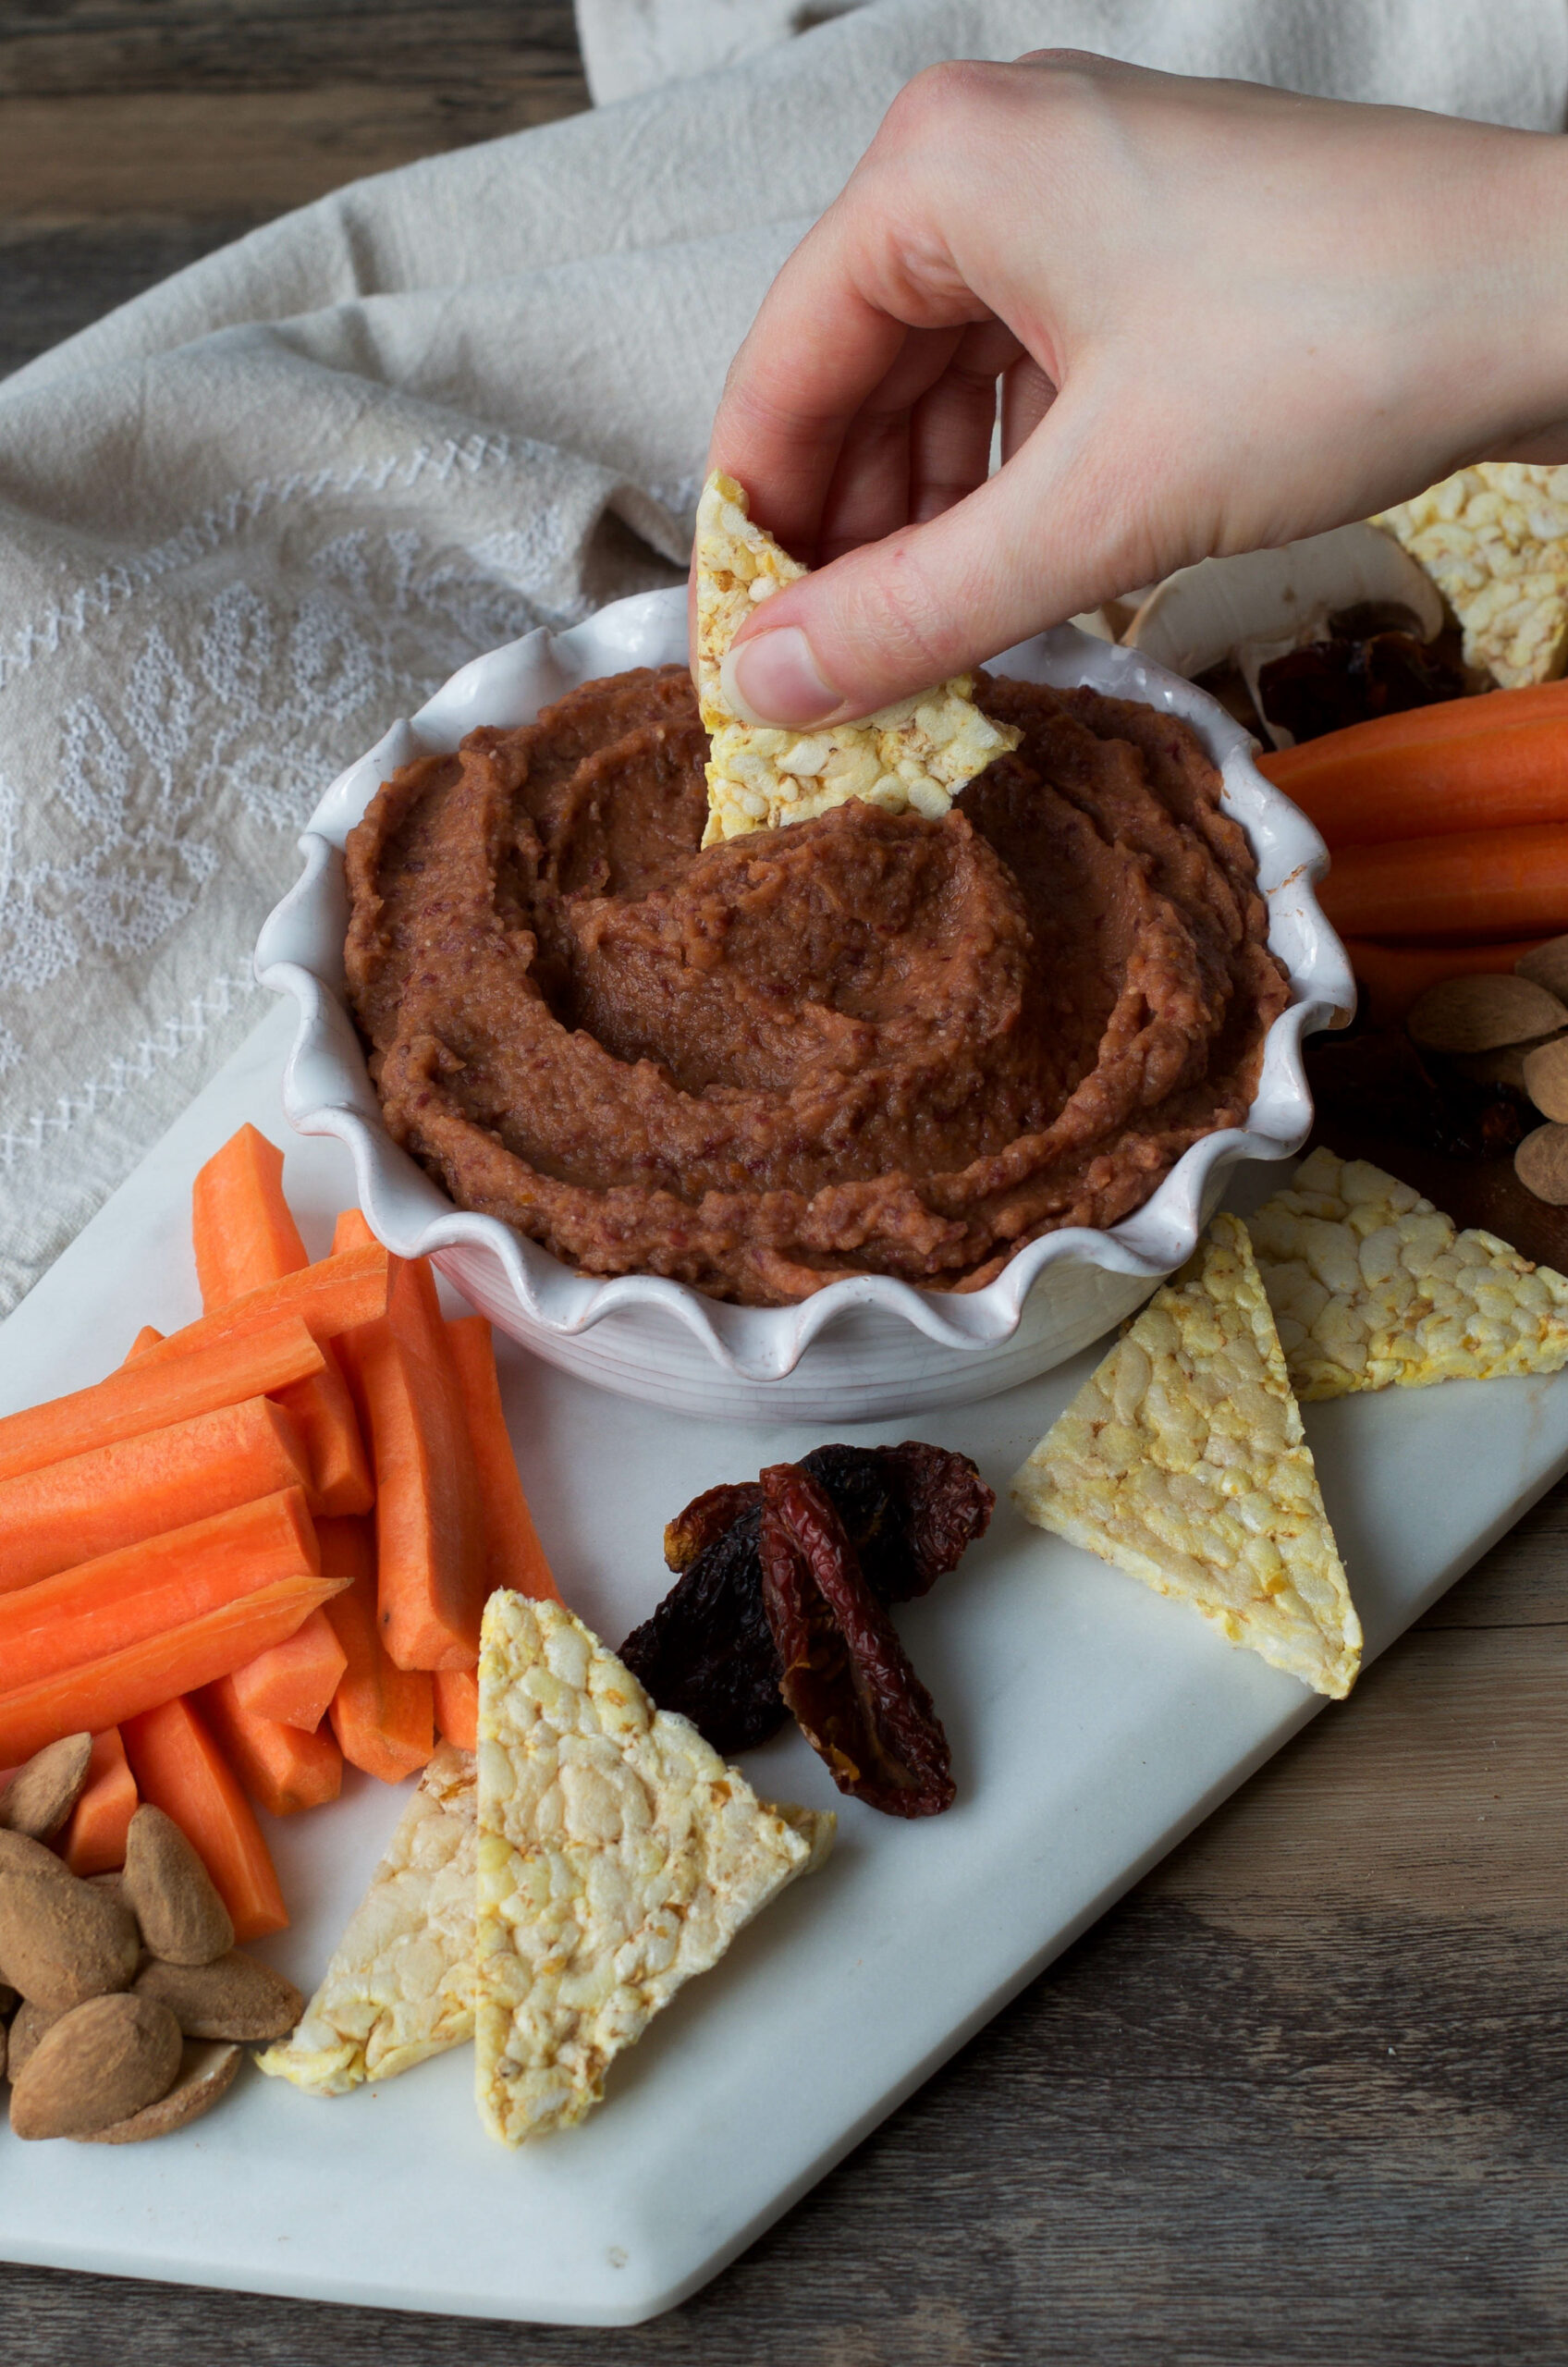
868	1043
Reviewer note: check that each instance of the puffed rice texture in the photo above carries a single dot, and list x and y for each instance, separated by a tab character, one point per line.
1182	1460
912	755
1373	1287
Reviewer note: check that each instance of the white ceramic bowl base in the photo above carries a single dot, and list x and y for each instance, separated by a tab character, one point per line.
867	1347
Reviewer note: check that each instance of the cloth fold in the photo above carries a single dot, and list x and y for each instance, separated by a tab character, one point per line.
258	512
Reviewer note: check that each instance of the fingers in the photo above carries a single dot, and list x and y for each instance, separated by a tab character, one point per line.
1044	538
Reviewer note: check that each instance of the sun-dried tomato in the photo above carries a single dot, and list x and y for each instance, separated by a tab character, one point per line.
911	1511
708	1651
706	1519
845	1674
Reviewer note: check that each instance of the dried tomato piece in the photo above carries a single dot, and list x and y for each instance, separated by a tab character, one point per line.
706	1519
911	1511
845	1675
708	1651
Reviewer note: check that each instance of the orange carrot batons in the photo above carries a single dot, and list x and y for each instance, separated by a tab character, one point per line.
242	1227
246	1237
94	1503
1497	778
323	1412
107	1692
147	1396
384	1717
148	1337
293	1684
283	1769
514	1556
94	1839
457	1706
1481	884
431	1556
329	1297
104	1605
180	1768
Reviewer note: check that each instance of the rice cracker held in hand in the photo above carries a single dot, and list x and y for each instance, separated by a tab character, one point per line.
400	1983
1371	1285
917	753
1182	1460
617	1856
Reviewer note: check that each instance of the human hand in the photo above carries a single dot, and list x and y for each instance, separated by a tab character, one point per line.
1221	316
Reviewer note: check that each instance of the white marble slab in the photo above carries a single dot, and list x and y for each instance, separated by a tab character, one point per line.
1093	1725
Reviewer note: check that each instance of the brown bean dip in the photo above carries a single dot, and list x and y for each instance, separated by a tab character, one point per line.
863	1044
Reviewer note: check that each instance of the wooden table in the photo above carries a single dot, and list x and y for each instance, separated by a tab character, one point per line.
1302	2097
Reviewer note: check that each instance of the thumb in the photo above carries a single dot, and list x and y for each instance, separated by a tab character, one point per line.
1041	540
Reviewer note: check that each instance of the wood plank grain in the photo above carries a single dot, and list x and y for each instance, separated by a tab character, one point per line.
253	153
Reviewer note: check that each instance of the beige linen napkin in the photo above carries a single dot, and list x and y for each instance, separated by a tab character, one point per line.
268	505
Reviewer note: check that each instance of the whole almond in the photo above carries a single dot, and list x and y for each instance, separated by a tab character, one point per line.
1546	1078
1480	1013
96	2065
20	1856
40	1794
205	2074
27	2027
1541	1164
171	1893
237	1998
1547	966
61	1941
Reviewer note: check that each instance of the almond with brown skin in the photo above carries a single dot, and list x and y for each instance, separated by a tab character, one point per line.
1541	1164
1479	1014
41	1796
1547	966
237	1998
171	1893
27	2027
20	1856
1546	1078
205	2074
98	2065
61	1941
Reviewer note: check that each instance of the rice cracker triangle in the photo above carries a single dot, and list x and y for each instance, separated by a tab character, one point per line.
1181	1461
917	754
618	1857
1372	1286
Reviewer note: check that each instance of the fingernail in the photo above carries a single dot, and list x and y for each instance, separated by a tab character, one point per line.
775	680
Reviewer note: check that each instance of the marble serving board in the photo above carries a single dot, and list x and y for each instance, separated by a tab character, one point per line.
1093	1725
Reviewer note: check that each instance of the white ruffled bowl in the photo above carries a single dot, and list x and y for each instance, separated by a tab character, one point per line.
860	1349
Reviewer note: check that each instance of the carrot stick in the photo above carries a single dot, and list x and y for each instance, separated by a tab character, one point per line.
95	1503
293	1684
148	1337
149	1396
457	1706
283	1769
1423	727
242	1227
107	1692
94	1839
1481	884
104	1605
431	1573
514	1556
1489	780
245	1236
180	1768
384	1717
323	1411
1394	975
329	1297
